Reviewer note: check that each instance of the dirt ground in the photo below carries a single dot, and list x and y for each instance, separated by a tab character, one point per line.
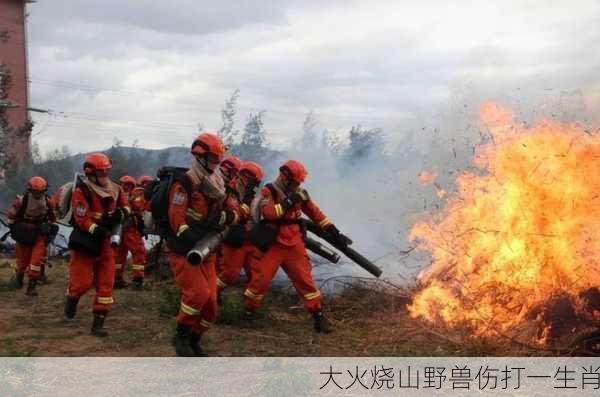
141	324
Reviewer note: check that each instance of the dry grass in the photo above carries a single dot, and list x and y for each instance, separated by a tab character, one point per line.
369	318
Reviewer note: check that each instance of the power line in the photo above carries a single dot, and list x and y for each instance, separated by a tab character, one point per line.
92	88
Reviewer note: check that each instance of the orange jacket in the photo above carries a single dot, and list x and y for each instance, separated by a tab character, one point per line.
137	202
88	216
15	209
184	211
289	231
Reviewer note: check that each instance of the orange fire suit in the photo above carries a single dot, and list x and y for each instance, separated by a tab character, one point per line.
198	308
86	270
30	258
288	251
236	258
132	240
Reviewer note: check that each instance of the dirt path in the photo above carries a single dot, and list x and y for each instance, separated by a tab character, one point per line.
141	324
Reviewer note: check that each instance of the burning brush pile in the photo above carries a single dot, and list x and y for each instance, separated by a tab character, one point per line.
516	250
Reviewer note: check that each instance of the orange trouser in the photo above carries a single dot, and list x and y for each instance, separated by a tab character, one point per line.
132	242
294	261
86	270
198	285
31	257
234	259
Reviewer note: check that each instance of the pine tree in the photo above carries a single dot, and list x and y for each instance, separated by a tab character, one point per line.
309	141
254	138
226	132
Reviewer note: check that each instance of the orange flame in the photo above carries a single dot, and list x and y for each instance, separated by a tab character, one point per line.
522	229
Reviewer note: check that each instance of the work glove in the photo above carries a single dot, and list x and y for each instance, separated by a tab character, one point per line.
334	231
287	203
337	235
117	217
139	221
222	218
190	237
45	229
101	232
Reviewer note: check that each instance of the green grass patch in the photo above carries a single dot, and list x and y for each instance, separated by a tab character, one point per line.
10	349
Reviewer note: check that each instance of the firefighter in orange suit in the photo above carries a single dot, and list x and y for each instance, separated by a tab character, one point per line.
238	251
98	206
281	205
197	206
132	240
31	221
143	182
230	168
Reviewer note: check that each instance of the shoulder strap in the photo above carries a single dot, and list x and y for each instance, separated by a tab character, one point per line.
87	193
23	207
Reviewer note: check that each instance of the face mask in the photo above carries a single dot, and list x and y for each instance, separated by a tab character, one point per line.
37	195
210	165
102	180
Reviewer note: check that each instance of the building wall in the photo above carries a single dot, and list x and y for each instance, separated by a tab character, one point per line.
13	53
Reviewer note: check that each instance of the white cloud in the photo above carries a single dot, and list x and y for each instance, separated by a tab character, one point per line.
150	71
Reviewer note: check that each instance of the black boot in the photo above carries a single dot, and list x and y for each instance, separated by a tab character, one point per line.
249	317
31	288
16	282
138	283
43	277
71	308
120	283
195	345
182	341
98	325
321	323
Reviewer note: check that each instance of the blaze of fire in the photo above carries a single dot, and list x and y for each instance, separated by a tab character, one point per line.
523	228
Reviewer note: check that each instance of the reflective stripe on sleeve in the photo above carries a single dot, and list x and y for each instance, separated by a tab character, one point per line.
324	222
278	210
182	229
245	209
195	215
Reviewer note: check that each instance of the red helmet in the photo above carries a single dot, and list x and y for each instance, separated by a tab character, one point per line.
127	180
38	184
232	163
96	162
208	143
294	170
144	179
253	170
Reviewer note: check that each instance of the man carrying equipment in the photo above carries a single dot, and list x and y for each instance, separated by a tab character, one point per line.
99	206
238	251
31	221
196	207
132	240
280	236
